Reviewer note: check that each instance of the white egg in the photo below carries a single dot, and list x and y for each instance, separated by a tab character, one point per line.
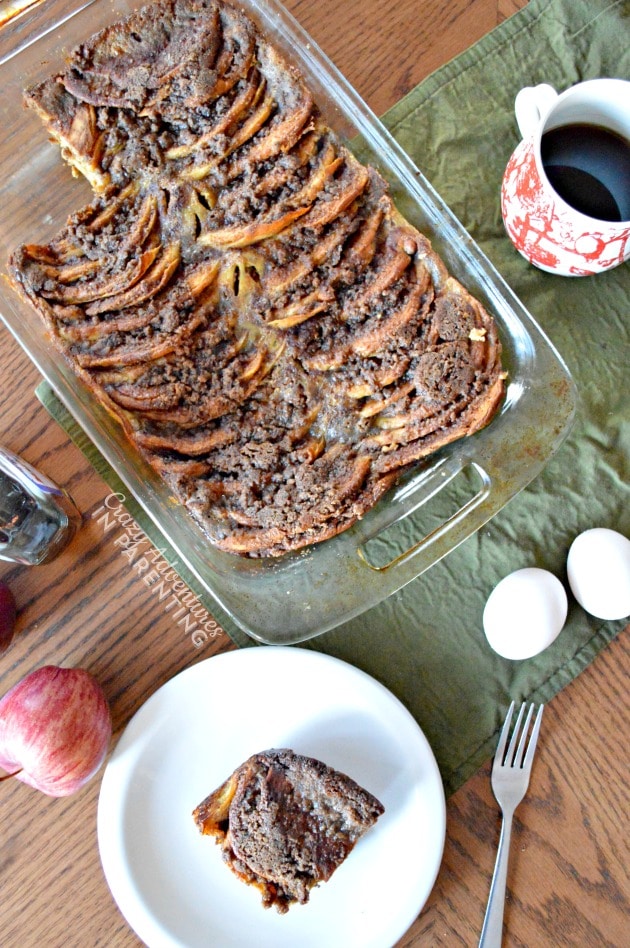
598	569
525	613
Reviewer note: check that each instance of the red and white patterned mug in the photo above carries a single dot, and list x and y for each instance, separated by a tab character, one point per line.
579	224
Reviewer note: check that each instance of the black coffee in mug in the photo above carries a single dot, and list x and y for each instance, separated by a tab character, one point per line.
589	167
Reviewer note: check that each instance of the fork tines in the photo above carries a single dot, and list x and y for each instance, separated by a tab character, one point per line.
516	755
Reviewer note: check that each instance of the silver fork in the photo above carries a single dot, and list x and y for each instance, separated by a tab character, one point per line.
510	779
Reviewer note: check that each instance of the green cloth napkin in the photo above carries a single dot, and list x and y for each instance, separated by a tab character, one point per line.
426	643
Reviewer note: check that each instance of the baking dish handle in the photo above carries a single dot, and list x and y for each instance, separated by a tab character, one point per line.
463	519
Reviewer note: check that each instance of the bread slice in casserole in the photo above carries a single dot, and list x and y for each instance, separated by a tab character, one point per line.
242	295
286	822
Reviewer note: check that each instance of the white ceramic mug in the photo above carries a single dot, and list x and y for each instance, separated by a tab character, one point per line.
548	230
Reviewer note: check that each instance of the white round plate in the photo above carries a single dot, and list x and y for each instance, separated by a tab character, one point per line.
170	882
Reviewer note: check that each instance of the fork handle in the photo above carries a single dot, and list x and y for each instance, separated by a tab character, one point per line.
492	931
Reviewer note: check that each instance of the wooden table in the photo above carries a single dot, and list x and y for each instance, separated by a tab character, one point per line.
568	880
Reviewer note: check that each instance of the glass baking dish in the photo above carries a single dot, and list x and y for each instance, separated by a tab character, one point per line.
435	507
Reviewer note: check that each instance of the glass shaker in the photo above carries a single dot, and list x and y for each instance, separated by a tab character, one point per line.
37	518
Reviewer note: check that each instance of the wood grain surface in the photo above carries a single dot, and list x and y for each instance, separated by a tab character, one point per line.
568	880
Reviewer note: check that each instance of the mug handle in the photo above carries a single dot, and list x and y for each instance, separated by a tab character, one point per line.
531	104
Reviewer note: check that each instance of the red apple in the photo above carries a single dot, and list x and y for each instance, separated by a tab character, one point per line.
8	612
55	729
